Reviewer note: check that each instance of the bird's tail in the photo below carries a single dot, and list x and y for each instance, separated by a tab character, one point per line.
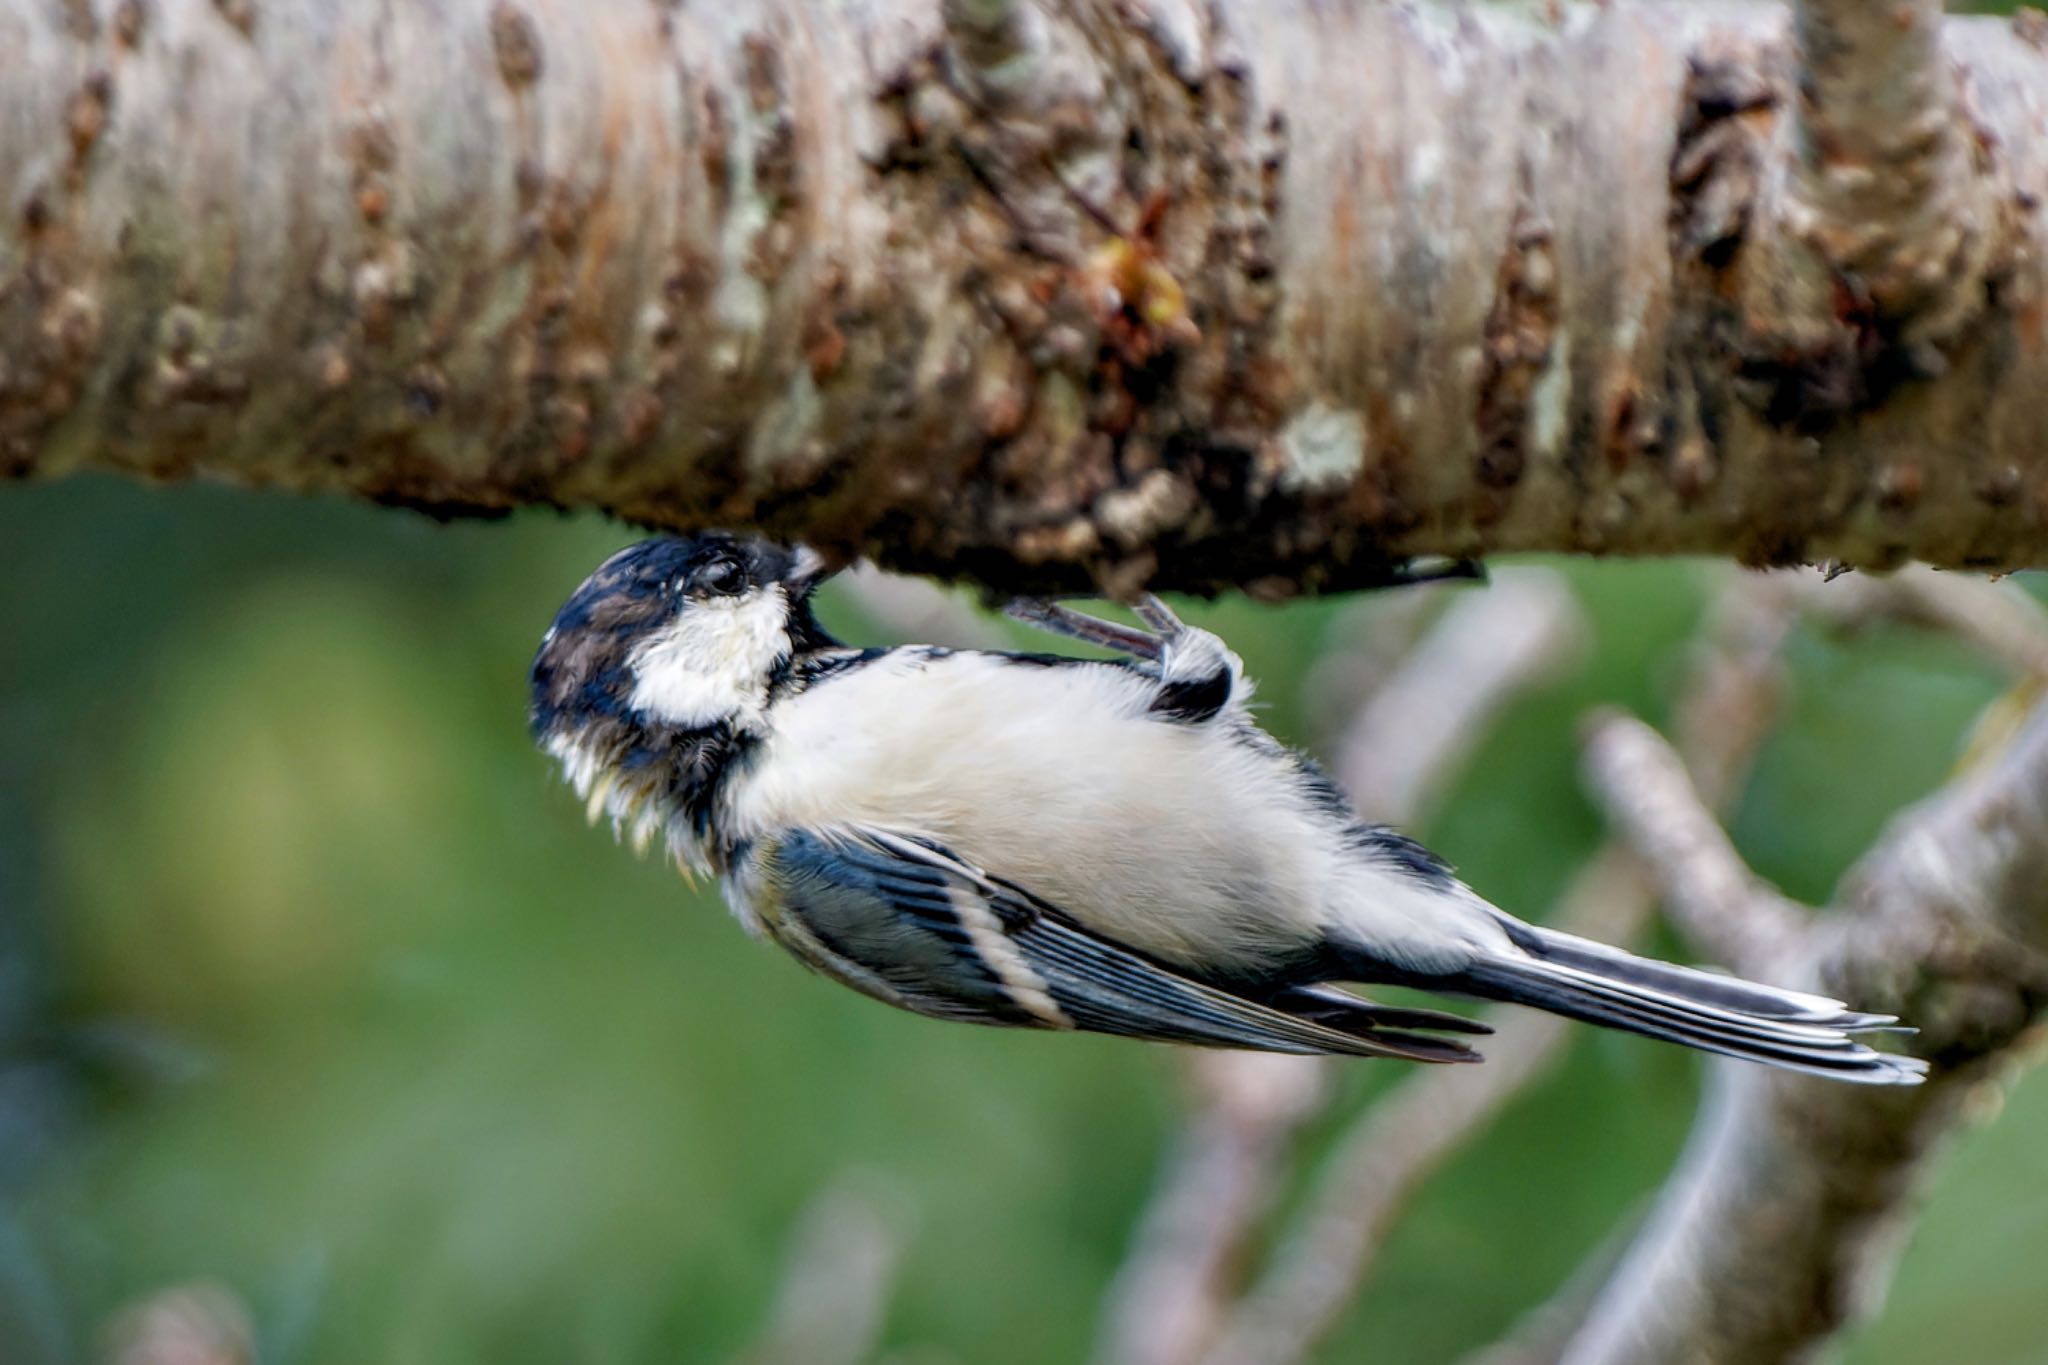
1598	984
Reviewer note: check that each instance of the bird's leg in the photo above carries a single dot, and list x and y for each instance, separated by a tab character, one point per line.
1052	616
1079	625
1198	675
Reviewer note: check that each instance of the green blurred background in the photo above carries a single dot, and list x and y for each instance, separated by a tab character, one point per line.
314	985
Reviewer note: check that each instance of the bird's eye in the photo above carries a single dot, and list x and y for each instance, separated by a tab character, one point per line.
719	576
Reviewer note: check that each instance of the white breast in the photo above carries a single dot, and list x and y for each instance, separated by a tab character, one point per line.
1178	840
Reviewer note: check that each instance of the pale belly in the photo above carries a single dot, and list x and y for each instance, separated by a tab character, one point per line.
1175	839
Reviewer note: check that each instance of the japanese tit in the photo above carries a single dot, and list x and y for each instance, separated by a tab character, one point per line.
1063	843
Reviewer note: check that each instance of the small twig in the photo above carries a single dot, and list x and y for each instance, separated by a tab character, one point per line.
835	1286
1220	1177
189	1324
1736	688
1717	902
1998	619
1421	726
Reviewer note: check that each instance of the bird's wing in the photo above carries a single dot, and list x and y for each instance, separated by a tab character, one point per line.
905	919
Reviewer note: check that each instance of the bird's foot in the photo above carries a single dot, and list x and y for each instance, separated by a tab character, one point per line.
1059	619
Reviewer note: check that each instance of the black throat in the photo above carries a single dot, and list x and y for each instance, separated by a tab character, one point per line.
680	770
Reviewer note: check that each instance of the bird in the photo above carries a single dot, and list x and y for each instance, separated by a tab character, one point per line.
1050	841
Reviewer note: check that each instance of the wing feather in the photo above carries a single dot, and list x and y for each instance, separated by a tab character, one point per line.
943	937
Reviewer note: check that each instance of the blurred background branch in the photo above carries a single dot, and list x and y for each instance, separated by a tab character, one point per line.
1785	1221
194	1324
834	1296
1720	906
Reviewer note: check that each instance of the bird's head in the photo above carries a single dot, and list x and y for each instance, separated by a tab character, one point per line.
679	632
666	657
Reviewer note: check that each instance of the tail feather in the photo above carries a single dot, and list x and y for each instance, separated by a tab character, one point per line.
1728	992
1592	982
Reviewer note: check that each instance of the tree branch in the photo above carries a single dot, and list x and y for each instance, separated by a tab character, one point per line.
1047	294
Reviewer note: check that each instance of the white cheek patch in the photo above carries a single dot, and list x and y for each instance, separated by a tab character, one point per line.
713	661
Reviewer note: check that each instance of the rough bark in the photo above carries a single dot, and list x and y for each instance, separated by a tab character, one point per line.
1138	290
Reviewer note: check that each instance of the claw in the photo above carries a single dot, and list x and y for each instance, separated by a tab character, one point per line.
1158	615
1078	625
